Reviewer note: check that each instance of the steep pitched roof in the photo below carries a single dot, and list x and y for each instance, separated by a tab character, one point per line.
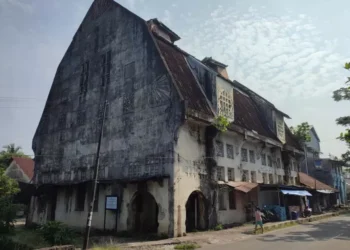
247	115
312	183
26	164
184	78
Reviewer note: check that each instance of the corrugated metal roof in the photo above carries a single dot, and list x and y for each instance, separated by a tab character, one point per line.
247	115
312	183
291	140
184	79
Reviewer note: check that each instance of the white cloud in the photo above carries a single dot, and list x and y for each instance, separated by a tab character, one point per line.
264	51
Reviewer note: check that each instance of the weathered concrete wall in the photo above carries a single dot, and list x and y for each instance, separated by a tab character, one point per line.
189	169
237	215
143	109
66	210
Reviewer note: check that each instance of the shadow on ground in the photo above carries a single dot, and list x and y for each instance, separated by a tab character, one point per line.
339	230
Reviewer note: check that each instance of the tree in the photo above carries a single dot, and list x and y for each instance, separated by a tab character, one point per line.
9	151
8	186
342	94
302	132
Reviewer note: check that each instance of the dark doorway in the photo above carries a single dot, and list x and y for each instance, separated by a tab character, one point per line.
143	213
196	212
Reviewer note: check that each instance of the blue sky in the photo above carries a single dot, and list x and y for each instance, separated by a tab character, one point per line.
290	52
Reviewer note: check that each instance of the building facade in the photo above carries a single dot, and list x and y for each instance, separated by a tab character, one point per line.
164	153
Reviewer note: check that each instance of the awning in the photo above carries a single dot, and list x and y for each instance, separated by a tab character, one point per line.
296	192
244	187
326	191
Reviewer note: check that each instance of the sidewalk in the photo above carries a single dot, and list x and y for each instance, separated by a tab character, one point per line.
223	236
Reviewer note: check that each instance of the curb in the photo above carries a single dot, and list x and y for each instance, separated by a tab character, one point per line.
268	228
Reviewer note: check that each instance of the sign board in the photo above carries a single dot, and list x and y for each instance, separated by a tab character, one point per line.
111	202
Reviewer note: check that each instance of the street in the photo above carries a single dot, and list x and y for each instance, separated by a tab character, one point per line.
330	234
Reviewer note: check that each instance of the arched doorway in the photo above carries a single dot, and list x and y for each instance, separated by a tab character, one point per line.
196	212
143	213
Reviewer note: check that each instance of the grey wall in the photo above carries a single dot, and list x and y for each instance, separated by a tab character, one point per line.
143	111
314	143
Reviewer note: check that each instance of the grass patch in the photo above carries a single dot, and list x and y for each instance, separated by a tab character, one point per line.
32	238
187	246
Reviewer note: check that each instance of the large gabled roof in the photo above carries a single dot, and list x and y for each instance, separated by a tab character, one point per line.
246	114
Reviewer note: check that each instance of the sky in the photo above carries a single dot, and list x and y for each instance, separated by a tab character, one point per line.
290	52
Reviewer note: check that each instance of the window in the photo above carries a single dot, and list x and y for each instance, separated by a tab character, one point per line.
84	77
245	175
270	179
295	180
244	155
80	197
220	173
106	68
269	161
264	176
222	205
252	156
231	174
67	196
278	163
232	199
291	180
229	151
263	159
129	70
280	179
220	149
253	176
225	103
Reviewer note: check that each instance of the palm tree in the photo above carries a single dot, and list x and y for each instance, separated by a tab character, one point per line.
11	149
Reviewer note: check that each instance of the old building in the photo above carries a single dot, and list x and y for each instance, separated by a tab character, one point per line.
162	155
21	169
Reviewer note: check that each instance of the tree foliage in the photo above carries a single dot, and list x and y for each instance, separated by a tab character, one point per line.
221	123
342	94
302	132
8	186
8	152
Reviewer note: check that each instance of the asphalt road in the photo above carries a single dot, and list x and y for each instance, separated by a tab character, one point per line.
328	234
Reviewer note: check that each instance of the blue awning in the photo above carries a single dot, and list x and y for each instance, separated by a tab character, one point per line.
296	192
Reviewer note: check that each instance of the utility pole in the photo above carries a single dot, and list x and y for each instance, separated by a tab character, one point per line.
306	166
91	208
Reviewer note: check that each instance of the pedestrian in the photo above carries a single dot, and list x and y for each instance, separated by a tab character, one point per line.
258	220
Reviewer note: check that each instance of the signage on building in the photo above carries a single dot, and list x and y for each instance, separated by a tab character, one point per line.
111	202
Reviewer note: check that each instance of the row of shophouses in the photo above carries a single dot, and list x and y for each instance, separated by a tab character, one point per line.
169	163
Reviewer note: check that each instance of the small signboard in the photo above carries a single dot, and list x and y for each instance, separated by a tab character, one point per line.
111	202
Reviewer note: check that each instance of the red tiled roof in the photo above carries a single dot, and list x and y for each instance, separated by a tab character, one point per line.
312	183
247	115
26	164
184	78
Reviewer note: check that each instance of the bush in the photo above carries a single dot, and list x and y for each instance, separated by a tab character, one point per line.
56	233
8	214
218	227
8	244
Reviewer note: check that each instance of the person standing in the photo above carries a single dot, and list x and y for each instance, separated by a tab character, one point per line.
258	220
